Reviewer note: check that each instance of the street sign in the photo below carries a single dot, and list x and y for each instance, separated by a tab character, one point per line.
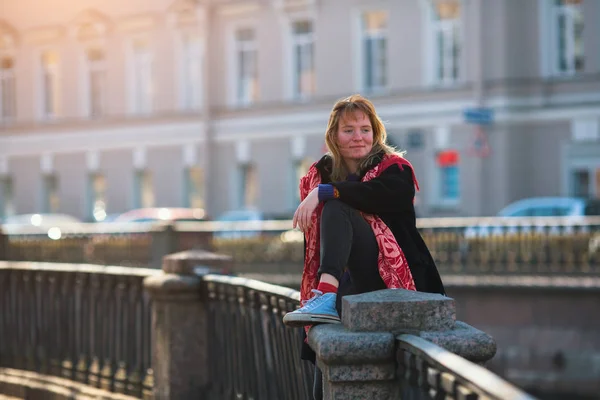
479	116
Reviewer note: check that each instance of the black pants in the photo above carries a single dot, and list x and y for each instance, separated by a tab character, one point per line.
347	242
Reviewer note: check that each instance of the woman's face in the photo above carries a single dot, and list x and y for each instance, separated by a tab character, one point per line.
354	136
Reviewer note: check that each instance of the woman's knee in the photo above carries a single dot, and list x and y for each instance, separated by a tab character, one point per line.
336	207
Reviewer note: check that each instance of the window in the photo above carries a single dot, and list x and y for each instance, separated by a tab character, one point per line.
248	186
584	181
191	77
247	67
581	183
194	187
50	197
96	82
567	36
97	196
303	59
143	195
446	40
142	96
7	205
7	89
448	190
374	43
50	84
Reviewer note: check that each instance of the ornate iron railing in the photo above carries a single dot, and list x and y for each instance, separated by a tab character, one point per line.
86	323
538	246
254	355
428	372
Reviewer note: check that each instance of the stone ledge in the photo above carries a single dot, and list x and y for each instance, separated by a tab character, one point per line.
336	345
360	373
31	385
186	262
362	390
171	287
465	341
398	311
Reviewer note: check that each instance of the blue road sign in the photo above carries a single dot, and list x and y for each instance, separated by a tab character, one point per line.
479	116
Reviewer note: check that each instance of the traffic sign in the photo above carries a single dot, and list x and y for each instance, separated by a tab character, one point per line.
479	116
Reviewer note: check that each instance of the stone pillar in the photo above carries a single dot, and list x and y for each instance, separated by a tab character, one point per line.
179	324
358	357
3	246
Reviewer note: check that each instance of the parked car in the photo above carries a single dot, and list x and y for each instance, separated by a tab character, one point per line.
247	216
49	224
574	207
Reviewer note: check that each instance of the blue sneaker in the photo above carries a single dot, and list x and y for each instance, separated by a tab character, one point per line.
320	309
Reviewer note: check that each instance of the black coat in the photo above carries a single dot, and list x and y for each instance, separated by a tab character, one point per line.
389	196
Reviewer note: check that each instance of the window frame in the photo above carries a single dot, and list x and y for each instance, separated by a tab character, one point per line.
189	97
90	67
361	60
145	107
41	90
234	66
549	39
431	57
296	41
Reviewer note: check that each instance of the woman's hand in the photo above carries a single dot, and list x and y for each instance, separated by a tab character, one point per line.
304	212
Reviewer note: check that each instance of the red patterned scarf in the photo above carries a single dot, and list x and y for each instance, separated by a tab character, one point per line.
393	266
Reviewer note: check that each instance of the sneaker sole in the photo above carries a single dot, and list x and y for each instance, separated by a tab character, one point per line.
300	320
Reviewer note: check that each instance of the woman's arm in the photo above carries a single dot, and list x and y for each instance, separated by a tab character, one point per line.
392	191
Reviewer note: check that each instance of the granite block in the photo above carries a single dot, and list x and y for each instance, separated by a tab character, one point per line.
361	391
186	262
465	341
366	372
398	311
336	345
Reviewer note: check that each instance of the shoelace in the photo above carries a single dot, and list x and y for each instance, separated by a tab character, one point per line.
318	293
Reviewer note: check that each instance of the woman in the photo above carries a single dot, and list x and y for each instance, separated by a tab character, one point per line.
358	218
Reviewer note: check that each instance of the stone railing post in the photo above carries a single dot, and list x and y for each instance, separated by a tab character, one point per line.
179	324
358	357
164	242
3	246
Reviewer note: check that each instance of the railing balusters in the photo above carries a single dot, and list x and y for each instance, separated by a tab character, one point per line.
134	350
85	325
254	355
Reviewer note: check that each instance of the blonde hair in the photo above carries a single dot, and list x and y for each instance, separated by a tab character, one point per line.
349	106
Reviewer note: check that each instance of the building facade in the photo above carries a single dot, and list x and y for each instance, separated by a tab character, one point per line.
223	104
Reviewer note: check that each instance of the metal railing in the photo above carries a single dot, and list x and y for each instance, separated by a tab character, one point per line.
428	372
92	324
254	355
86	323
566	245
